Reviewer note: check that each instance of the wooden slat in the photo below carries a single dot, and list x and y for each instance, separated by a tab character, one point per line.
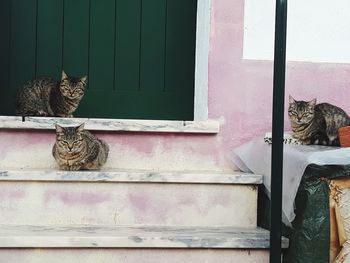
5	18
153	45
180	45
102	30
49	38
23	46
76	37
127	53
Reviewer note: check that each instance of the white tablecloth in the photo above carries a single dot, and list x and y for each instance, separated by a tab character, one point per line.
255	156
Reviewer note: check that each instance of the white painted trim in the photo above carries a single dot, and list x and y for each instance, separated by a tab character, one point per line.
48	123
202	60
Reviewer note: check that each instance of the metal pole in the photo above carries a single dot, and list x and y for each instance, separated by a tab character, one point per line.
277	131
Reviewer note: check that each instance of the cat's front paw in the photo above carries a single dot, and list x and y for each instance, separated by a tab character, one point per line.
79	163
42	113
65	167
62	115
75	167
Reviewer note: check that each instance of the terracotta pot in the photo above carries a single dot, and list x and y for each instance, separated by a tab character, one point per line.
344	136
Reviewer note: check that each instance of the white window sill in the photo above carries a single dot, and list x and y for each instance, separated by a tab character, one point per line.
48	123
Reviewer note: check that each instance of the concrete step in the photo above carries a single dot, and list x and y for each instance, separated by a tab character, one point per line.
132	244
163	151
133	197
34	236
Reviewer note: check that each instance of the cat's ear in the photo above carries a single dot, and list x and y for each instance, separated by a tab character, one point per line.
84	80
64	75
80	128
291	99
59	129
312	102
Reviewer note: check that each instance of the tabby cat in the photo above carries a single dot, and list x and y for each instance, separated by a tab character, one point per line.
47	97
77	149
316	123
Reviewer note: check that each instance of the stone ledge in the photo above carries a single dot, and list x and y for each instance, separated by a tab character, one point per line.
131	176
48	123
15	236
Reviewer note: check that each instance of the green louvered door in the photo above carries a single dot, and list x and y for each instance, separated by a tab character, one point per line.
139	55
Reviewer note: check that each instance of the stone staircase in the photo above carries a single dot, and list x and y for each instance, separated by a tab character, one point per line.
157	207
129	216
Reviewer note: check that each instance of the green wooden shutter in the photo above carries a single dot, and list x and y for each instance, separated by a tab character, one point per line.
5	24
139	55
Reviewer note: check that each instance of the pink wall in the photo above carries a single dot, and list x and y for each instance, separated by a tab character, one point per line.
241	90
240	93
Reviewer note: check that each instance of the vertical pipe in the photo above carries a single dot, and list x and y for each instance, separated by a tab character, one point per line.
277	130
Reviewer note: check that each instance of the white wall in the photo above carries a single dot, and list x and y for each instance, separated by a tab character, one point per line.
318	30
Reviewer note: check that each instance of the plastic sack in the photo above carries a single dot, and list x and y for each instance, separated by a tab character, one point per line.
310	238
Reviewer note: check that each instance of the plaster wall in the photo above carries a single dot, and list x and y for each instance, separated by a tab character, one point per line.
97	203
324	37
240	91
133	255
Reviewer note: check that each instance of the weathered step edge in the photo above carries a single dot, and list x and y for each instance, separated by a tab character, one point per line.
48	123
136	176
133	237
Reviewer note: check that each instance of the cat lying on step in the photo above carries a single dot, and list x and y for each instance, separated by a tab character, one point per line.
77	149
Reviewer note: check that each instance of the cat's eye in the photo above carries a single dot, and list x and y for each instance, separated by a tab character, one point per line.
294	113
63	143
78	91
65	88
